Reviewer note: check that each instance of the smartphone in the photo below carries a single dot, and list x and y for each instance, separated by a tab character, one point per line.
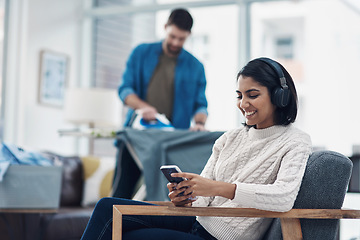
167	170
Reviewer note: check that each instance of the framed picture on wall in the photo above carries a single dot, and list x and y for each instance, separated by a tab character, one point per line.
54	70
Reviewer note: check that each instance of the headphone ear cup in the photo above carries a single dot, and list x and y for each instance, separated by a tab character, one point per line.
281	97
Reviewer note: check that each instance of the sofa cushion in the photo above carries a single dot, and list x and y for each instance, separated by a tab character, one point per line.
72	179
98	178
68	224
20	226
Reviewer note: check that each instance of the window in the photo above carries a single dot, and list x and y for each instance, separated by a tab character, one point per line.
2	44
284	48
114	38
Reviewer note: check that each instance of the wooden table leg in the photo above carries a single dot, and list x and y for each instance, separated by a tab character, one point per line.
117	224
291	229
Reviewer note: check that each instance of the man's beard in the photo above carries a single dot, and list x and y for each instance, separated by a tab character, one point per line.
172	52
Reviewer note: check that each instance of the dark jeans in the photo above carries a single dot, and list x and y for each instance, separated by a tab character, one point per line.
142	227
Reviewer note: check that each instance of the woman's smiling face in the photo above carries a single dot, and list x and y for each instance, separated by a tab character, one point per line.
254	101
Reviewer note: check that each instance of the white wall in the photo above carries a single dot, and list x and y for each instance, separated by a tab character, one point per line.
333	60
329	51
36	25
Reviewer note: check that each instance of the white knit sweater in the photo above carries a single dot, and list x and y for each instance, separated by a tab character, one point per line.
267	166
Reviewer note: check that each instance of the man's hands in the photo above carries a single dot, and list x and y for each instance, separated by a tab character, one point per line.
199	119
198	128
148	113
194	186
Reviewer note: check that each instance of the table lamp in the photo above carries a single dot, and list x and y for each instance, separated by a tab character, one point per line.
96	107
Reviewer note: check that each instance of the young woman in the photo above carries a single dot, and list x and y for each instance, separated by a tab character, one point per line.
260	165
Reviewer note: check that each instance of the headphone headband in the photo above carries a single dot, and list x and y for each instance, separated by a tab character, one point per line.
280	96
276	67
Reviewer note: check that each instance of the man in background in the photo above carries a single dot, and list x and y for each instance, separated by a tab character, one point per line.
162	78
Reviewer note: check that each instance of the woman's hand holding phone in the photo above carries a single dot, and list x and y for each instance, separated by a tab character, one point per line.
180	196
188	186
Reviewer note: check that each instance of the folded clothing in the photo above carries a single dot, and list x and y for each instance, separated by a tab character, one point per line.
11	154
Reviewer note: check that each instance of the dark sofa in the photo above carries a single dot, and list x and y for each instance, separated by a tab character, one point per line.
66	224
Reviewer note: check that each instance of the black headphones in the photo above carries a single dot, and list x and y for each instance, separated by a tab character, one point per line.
280	95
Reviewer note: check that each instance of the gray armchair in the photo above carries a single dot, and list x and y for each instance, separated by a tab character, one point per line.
317	205
324	186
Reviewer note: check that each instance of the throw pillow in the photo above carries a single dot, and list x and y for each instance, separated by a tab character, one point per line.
98	178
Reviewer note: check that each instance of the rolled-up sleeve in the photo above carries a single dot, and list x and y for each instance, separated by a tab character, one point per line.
125	92
201	102
128	80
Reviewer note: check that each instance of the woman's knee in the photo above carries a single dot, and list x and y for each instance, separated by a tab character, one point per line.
107	203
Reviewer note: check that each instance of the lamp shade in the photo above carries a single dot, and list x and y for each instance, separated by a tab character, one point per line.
94	106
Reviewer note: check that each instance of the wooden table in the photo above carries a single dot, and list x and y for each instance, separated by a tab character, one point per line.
290	221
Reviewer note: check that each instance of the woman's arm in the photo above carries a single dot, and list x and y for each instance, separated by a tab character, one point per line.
281	194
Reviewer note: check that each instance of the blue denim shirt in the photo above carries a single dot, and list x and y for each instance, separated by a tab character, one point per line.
190	82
